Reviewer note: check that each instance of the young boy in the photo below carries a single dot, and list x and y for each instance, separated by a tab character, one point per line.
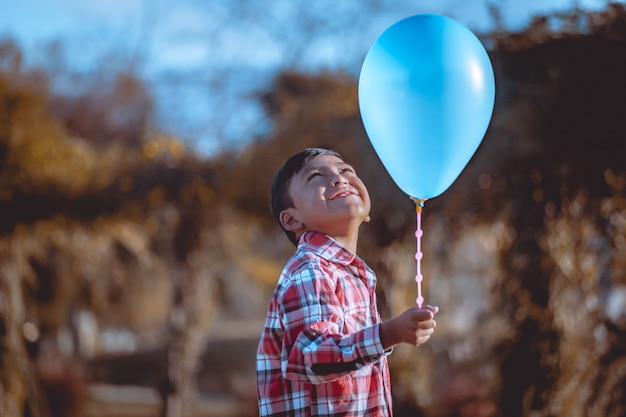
323	351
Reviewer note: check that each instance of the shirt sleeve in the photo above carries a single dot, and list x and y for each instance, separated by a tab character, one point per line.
317	347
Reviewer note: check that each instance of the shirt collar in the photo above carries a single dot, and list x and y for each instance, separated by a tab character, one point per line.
326	247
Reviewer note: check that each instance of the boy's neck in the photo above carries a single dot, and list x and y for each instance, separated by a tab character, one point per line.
348	238
348	242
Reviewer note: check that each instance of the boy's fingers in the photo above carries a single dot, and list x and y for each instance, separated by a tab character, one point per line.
422	314
426	324
434	309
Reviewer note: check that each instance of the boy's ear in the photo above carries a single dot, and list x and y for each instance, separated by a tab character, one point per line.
289	221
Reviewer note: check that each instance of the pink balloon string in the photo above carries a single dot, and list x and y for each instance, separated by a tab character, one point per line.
418	254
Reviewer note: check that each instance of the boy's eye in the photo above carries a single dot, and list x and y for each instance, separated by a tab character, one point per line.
313	175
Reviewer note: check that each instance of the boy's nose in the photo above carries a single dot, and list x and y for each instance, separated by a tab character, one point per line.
338	180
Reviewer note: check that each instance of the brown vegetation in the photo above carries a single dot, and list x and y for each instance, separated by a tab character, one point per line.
127	260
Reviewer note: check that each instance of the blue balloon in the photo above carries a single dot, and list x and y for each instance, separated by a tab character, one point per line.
426	96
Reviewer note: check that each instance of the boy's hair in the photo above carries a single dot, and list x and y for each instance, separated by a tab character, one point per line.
279	194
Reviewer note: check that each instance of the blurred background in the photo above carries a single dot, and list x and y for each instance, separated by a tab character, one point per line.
138	141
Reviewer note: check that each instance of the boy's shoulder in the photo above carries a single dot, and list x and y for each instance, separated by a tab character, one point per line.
317	256
307	262
303	259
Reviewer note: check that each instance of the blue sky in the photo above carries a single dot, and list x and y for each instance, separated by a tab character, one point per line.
175	43
226	48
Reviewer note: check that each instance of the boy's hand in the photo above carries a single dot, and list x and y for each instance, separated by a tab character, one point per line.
414	326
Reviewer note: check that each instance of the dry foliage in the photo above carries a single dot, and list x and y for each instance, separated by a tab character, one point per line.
120	249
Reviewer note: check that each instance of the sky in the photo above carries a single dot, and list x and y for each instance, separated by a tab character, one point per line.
175	43
192	51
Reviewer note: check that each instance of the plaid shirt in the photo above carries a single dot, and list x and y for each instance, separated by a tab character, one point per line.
320	352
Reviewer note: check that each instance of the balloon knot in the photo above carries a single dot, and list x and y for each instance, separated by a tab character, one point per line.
419	204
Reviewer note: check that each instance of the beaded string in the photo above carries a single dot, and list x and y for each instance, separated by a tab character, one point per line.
419	204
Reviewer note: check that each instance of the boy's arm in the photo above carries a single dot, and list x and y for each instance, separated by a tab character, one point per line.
317	347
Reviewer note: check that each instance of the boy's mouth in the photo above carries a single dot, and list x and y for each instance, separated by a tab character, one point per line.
342	193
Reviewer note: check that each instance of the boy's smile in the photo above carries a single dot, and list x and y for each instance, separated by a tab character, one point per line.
343	193
327	197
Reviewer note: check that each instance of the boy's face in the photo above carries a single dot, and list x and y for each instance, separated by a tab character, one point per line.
328	197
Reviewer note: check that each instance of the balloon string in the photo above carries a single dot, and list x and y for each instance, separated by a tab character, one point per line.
419	204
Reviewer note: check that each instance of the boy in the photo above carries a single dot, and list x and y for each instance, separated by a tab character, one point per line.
323	351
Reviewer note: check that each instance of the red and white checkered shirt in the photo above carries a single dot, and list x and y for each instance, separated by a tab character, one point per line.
320	352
